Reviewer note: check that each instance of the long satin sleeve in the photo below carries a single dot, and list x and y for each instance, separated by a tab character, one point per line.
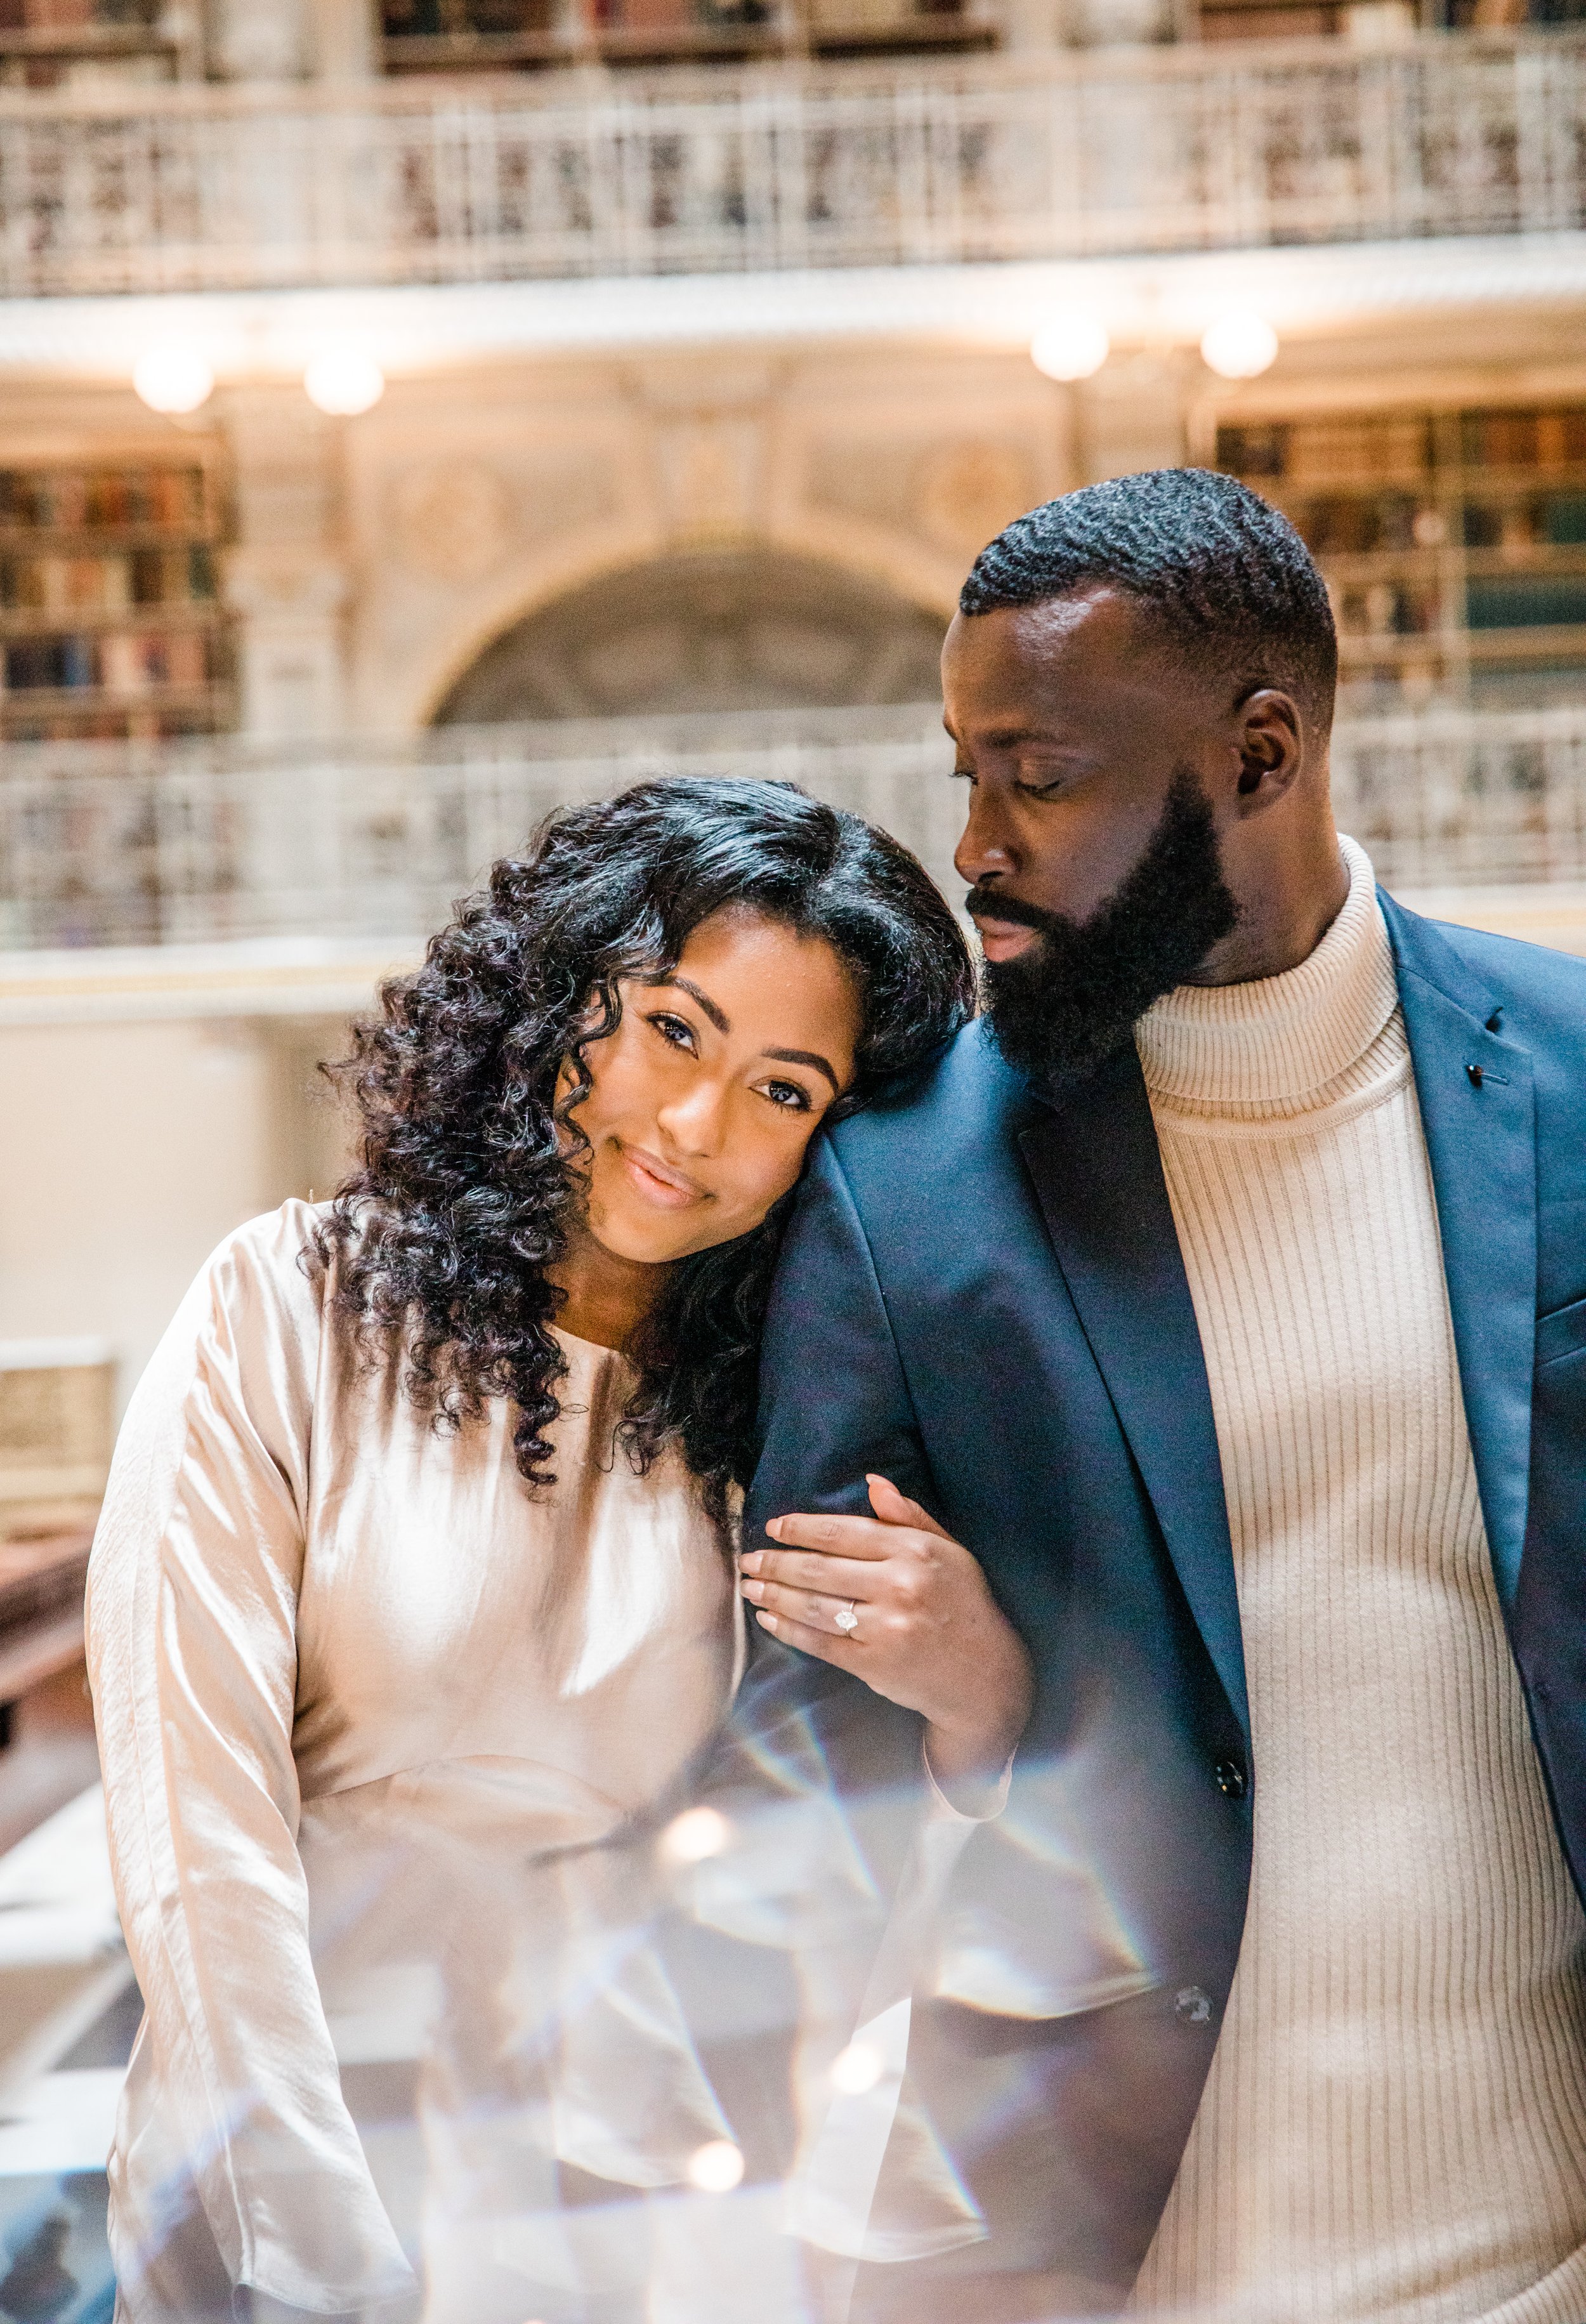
193	1593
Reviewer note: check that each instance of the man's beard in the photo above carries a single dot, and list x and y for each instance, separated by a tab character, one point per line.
1060	1007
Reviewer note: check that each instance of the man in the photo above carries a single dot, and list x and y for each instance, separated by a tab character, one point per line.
1224	1293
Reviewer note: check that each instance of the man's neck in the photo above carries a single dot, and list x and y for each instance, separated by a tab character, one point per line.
1285	909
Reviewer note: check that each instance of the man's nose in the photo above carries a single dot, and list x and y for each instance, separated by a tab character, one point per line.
986	847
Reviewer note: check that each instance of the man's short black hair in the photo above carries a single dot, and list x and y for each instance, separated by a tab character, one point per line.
1226	578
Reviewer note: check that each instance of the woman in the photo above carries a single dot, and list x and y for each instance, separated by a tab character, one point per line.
415	1580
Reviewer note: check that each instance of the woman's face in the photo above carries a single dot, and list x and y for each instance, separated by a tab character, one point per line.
709	1091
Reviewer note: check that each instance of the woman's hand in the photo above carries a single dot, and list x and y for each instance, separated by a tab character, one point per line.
894	1600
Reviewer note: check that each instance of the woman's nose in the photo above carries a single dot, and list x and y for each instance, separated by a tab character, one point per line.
694	1120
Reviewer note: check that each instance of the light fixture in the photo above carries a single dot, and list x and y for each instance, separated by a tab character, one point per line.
173	378
1241	344
1072	344
344	382
716	2167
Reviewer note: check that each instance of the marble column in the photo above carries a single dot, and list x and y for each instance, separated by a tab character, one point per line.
287	573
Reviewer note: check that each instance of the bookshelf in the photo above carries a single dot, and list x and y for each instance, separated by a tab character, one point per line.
111	618
479	35
1454	543
44	42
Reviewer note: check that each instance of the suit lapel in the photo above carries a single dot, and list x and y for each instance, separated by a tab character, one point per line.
1098	1174
1481	1142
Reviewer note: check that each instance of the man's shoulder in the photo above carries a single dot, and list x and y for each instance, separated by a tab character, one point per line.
967	1092
1507	970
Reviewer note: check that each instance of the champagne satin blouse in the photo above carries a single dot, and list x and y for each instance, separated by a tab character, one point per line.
362	1697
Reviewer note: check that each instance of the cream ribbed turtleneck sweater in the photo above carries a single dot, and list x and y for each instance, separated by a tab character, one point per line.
1394	2130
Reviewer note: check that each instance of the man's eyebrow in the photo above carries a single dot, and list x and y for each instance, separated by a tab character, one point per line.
1002	738
804	1057
722	1023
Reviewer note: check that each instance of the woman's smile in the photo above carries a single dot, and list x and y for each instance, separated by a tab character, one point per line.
657	1181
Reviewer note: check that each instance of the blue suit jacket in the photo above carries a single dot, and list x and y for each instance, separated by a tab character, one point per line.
981	1295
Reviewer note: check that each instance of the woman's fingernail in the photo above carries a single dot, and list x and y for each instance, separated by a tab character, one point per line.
750	1562
766	1621
772	1526
754	1591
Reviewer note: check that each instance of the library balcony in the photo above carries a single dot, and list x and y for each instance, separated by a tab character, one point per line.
889	161
303	871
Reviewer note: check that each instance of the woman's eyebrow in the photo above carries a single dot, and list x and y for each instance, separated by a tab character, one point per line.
804	1057
722	1023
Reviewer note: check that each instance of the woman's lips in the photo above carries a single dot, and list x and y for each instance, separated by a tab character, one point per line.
658	1183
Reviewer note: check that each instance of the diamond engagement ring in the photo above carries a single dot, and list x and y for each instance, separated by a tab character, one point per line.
847	1616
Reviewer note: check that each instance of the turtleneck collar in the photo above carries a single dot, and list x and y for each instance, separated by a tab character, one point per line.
1285	1043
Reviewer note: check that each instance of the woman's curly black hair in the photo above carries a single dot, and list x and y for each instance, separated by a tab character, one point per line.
441	1241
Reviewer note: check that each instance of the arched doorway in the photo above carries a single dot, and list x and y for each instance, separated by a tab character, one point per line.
728	630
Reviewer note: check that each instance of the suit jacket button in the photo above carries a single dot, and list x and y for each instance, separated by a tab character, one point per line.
1192	2004
1230	1779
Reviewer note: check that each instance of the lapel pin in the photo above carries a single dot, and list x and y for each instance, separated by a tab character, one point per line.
1477	1075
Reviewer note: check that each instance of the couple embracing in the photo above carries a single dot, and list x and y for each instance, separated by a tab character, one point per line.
1128	1858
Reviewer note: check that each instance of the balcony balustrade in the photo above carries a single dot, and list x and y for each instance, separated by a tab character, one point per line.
219	840
887	162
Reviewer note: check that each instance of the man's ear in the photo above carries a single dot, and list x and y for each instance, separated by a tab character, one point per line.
1270	740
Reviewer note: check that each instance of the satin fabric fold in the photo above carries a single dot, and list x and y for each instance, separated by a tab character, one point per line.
360	1692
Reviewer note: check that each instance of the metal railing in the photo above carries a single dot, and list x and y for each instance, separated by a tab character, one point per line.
131	843
889	163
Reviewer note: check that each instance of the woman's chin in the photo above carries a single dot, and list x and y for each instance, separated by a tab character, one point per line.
651	1239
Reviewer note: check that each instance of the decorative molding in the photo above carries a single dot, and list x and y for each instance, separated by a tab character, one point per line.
452	520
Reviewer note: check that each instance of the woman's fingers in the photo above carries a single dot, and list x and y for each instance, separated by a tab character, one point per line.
809	1569
826	1646
865	1537
820	1609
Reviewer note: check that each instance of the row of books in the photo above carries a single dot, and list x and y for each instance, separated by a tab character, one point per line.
1552	438
75	15
1367	523
1397	444
1507	601
150	717
108	584
1387	609
123	662
485	19
78	499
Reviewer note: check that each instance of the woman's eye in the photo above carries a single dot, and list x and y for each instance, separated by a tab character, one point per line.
674	1030
789	1095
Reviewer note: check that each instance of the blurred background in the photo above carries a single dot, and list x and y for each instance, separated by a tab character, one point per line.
411	416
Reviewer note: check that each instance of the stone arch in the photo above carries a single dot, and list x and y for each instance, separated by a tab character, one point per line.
733	629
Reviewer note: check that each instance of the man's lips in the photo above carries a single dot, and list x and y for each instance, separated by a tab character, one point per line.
1004	939
657	1181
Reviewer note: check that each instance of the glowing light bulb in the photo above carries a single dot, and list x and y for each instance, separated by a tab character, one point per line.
173	378
716	2167
857	2068
1239	345
697	1833
1070	345
344	382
